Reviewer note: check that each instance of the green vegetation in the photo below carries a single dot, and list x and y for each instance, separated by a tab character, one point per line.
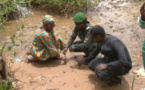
13	42
2	48
66	6
8	7
6	86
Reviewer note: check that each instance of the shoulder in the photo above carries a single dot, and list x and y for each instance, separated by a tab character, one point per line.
112	39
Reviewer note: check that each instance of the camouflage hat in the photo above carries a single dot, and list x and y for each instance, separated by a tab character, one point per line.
79	17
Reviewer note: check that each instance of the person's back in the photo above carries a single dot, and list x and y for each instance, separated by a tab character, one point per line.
108	50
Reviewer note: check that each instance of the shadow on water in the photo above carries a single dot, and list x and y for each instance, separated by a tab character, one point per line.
100	85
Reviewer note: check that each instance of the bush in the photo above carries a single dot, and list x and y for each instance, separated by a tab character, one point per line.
55	6
66	6
5	8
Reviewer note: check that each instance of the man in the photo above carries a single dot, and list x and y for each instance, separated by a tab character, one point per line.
82	29
116	61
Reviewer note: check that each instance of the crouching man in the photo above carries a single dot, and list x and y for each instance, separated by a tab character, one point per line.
116	61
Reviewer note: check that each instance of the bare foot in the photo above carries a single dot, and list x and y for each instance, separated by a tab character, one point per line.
30	58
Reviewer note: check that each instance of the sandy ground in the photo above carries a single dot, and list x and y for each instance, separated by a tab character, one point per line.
118	17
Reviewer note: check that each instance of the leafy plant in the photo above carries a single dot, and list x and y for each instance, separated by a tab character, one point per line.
15	54
67	6
13	42
21	41
9	48
9	7
6	86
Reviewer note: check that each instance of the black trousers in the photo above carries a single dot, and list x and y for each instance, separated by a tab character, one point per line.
109	73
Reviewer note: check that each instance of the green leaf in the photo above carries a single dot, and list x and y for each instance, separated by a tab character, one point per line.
22	27
3	85
3	47
15	54
9	48
9	85
21	41
13	42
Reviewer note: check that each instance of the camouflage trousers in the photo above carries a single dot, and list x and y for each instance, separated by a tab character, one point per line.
87	49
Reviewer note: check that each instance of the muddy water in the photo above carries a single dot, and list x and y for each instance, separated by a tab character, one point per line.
32	21
63	24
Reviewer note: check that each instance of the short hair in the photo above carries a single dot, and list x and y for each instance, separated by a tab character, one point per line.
97	30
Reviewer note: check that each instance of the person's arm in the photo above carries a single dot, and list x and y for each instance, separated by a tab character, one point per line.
83	45
48	43
94	53
141	23
72	38
118	47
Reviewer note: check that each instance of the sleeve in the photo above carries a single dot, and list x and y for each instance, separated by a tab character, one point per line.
72	38
94	53
83	45
118	47
47	42
141	23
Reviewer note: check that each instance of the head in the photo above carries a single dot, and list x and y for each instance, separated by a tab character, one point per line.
80	20
48	23
98	34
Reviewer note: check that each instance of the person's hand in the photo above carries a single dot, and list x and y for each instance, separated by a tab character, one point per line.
65	50
101	67
142	11
71	49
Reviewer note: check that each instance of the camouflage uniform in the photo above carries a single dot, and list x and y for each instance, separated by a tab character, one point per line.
85	44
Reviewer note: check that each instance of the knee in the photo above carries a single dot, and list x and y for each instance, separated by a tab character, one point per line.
91	66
